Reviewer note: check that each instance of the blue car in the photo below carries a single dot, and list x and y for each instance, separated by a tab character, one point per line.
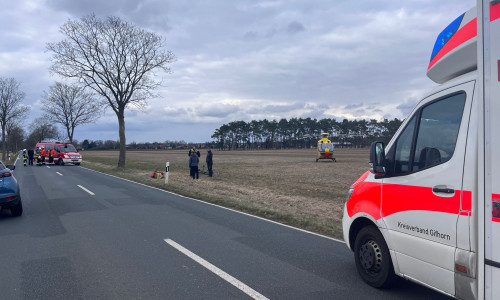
10	198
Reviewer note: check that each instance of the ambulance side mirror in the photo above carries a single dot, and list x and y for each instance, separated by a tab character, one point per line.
377	158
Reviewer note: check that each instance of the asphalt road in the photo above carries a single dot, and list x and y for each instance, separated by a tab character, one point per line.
86	235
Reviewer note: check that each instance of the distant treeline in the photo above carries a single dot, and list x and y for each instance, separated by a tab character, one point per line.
302	133
115	145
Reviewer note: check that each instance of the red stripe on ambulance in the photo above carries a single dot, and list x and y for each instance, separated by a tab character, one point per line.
467	200
361	179
495	209
368	203
399	198
467	32
494	12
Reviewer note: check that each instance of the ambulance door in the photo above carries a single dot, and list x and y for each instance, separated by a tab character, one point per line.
492	153
421	194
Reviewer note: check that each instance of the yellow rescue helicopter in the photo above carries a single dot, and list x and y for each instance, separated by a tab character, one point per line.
325	148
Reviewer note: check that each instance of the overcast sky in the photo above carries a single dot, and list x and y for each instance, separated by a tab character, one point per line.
246	60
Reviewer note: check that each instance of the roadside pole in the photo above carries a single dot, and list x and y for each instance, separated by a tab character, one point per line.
167	169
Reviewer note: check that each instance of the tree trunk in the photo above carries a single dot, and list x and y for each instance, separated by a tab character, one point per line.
121	125
70	135
4	144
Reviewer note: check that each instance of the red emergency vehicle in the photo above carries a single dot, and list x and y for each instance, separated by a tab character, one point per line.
428	210
65	153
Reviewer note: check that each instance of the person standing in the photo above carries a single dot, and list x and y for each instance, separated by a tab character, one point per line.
195	151
193	165
31	154
209	161
49	154
25	157
43	153
37	155
52	155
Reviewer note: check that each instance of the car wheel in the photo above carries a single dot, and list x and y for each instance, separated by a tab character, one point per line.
17	210
60	162
373	259
77	164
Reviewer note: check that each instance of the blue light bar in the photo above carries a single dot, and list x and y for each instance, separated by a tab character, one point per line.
445	35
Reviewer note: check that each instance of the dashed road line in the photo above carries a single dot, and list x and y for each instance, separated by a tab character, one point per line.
240	285
59	174
86	190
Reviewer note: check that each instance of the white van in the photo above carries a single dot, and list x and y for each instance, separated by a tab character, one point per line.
429	209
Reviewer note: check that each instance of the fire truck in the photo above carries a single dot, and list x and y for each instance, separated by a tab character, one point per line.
428	210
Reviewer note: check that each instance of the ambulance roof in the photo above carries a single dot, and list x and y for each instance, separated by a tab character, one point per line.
455	49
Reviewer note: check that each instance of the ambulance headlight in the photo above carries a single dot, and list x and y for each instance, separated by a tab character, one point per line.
349	193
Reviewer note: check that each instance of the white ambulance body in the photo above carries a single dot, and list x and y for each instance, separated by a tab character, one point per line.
429	209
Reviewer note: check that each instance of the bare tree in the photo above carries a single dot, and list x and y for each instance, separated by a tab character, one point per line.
42	129
70	106
11	109
114	58
15	137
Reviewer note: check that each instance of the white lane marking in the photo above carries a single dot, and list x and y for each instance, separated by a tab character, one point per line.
48	167
59	174
86	190
240	285
229	209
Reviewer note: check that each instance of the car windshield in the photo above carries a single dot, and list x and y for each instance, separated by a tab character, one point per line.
68	148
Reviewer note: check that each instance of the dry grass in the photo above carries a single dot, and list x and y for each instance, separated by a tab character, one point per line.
287	186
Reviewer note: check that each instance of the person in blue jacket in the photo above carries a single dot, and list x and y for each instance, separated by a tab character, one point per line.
194	160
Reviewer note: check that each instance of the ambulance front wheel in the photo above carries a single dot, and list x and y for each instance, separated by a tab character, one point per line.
373	259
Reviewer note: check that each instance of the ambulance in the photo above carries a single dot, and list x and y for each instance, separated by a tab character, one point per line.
429	208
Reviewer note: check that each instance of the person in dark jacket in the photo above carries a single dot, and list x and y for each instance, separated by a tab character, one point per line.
193	165
209	161
31	154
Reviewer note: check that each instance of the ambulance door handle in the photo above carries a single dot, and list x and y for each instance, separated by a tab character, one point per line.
443	189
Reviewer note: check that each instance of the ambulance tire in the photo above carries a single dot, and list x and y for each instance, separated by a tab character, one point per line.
60	162
373	259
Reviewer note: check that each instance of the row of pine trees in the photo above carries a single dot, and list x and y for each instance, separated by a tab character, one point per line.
302	133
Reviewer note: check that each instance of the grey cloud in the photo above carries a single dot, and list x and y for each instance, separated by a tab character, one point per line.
359	113
282	108
99	7
316	106
168	111
406	107
217	111
250	35
353	106
295	27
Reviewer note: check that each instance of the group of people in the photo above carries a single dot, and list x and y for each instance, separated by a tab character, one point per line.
194	160
39	154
